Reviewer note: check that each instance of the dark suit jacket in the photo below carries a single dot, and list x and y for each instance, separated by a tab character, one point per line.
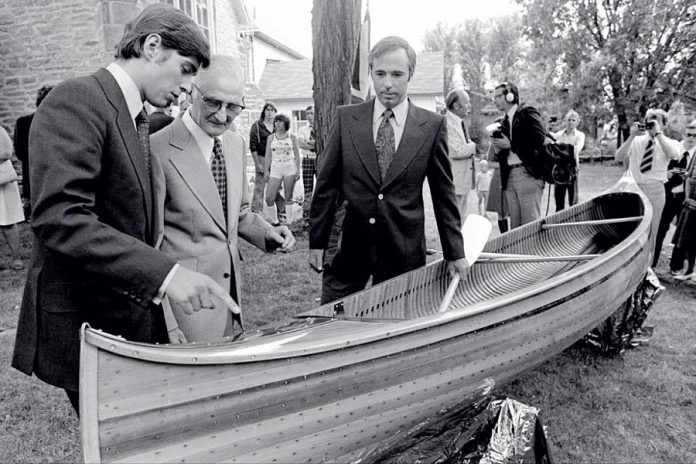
528	134
384	224
93	218
21	147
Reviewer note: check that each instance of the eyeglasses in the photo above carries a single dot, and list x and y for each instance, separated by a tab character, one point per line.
215	105
687	134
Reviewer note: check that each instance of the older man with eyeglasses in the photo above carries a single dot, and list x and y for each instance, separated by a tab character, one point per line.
205	206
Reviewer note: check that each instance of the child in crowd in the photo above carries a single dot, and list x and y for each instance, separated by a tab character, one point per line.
483	181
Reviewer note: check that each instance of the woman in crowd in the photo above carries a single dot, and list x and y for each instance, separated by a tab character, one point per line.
282	165
572	136
258	135
10	203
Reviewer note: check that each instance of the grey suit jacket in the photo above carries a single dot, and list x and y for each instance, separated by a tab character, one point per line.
193	228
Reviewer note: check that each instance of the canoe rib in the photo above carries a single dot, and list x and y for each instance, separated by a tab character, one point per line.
328	383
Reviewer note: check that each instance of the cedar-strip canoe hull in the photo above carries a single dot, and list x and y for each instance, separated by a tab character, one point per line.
325	387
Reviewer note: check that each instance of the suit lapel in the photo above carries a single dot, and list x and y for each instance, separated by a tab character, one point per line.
189	162
361	134
126	127
411	141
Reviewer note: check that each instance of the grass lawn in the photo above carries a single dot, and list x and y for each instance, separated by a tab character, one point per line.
638	407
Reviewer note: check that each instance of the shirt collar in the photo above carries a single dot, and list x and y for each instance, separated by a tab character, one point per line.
203	140
400	111
130	91
453	118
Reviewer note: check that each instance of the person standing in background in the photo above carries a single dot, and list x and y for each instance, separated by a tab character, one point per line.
21	147
306	141
461	148
10	203
572	136
282	166
258	134
648	152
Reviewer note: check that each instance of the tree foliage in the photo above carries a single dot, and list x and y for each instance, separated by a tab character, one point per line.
626	54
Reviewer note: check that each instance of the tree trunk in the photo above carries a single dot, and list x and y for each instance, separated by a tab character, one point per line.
335	26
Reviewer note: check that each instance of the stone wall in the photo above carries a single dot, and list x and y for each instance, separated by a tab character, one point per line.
44	42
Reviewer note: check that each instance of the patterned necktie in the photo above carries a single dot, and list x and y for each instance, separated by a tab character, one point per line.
142	124
646	163
466	135
384	144
217	167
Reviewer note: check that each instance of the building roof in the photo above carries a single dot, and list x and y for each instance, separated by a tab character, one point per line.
292	80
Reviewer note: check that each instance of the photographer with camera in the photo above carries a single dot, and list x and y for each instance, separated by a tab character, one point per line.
648	152
516	146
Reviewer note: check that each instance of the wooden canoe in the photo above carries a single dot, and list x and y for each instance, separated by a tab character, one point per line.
351	374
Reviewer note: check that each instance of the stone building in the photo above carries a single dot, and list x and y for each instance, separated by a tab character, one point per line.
43	42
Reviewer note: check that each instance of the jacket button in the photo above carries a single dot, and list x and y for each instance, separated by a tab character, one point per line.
372	221
380	196
226	275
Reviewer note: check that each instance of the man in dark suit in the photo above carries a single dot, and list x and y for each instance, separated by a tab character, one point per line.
21	146
377	157
93	193
523	136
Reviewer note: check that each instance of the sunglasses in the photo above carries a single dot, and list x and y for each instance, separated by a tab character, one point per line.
215	105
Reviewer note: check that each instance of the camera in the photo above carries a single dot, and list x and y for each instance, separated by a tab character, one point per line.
649	124
641	126
494	130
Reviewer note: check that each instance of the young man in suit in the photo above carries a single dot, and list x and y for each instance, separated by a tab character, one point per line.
461	148
206	206
93	217
377	157
523	135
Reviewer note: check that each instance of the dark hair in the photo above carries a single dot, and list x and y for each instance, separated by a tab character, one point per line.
41	94
177	31
265	107
510	88
309	108
282	117
389	44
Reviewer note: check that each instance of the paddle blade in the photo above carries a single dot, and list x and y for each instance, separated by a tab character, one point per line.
476	230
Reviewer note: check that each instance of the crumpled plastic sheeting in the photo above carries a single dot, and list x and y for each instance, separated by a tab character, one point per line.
491	432
517	437
624	329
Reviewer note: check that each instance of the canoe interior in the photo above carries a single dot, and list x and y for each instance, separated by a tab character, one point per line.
420	292
308	404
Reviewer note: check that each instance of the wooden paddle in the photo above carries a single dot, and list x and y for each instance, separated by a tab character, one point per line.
476	230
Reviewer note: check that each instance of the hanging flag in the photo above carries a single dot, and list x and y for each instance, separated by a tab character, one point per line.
360	81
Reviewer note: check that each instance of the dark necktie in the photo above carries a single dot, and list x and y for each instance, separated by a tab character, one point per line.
646	163
466	135
142	124
684	161
217	167
384	144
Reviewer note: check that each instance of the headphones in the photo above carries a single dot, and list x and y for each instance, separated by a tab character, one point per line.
509	96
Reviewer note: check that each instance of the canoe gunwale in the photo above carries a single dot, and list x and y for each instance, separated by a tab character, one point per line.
375	330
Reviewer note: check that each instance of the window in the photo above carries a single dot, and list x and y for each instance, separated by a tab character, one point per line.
196	9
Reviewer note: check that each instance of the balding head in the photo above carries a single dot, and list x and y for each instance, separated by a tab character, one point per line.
458	102
218	95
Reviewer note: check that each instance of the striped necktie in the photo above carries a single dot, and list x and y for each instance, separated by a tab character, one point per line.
646	163
142	125
384	144
217	167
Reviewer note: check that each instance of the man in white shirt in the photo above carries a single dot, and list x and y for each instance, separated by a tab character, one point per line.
572	136
461	148
648	152
206	207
